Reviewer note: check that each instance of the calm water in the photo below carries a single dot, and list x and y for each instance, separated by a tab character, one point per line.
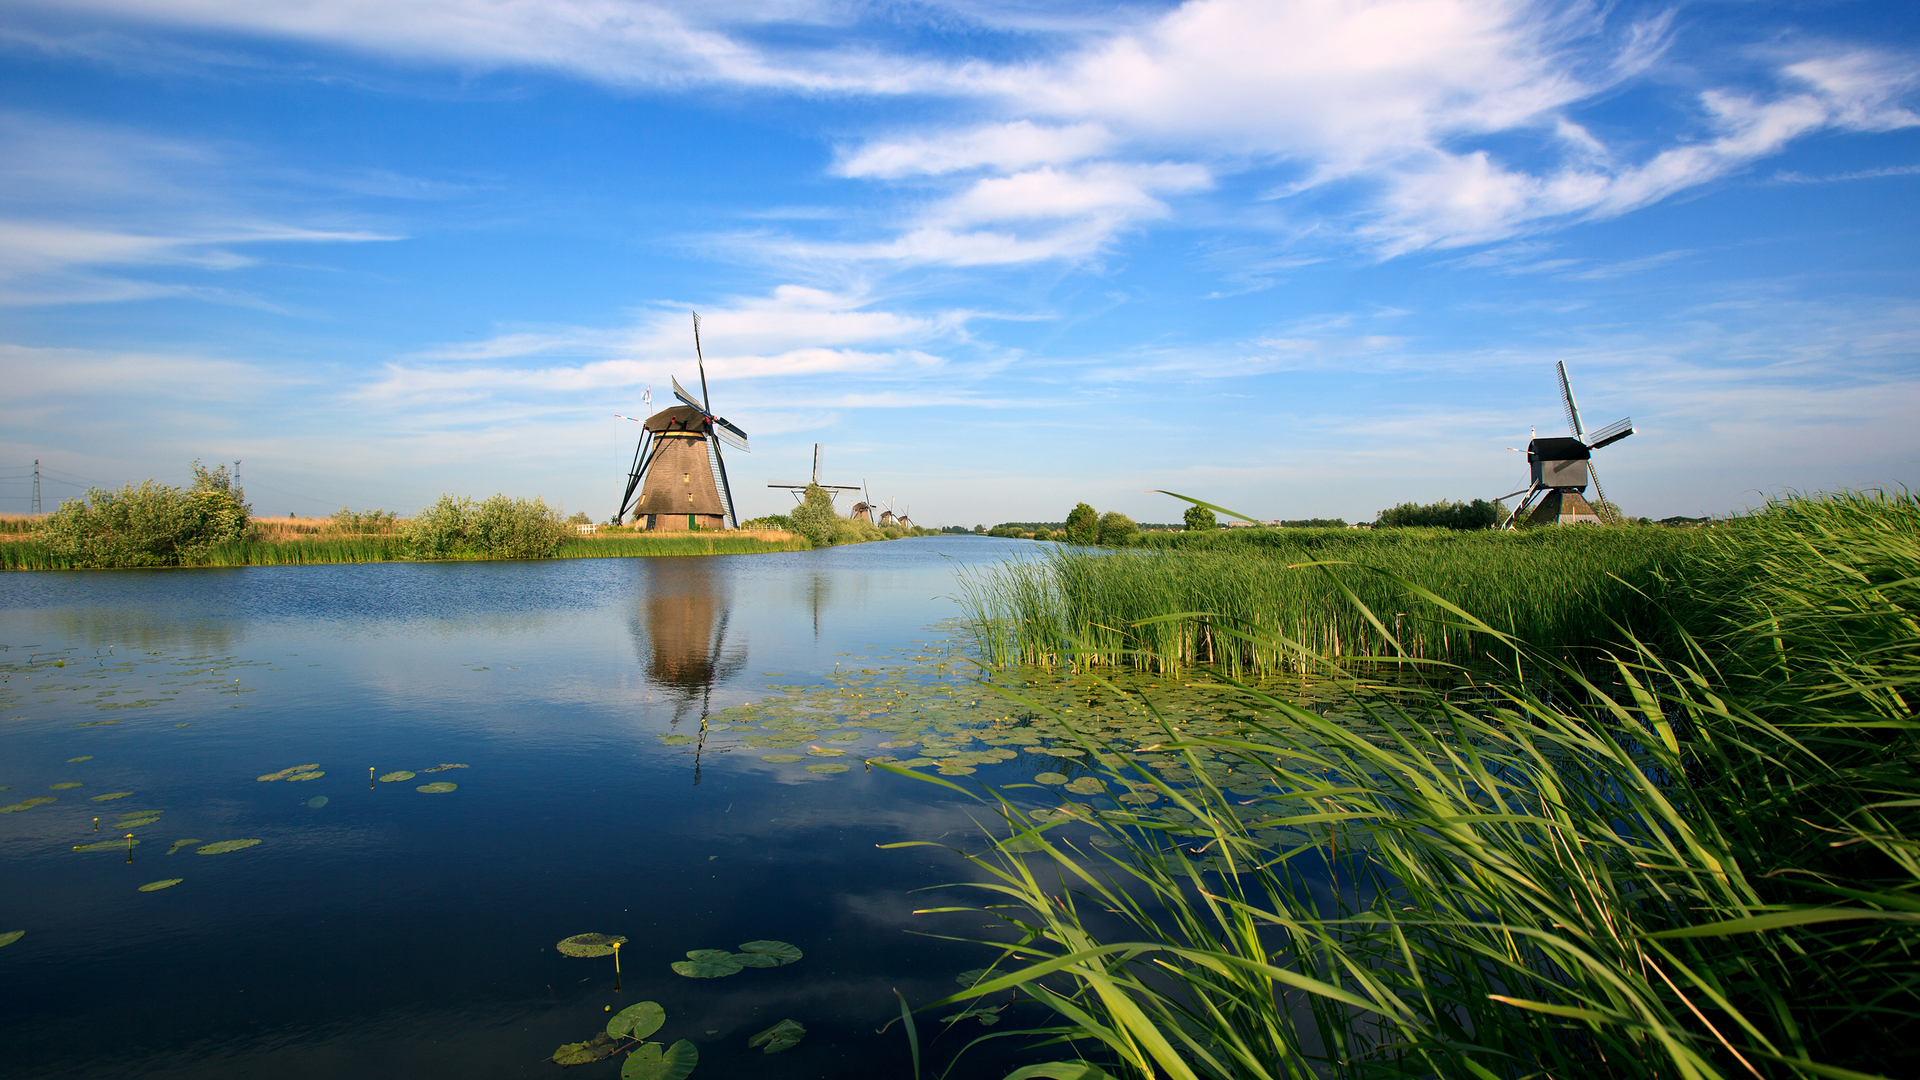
380	931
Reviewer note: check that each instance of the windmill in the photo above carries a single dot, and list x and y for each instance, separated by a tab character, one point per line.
864	508
679	442
903	521
1562	468
800	490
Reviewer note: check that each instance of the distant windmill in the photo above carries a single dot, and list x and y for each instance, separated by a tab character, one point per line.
903	520
800	490
864	508
887	516
678	461
1562	468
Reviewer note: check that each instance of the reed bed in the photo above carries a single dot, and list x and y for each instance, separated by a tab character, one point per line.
1557	589
1698	860
30	555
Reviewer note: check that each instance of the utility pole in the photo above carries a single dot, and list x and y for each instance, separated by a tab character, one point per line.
36	485
236	473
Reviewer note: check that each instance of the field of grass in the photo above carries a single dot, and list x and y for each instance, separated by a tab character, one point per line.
1697	857
1553	588
301	550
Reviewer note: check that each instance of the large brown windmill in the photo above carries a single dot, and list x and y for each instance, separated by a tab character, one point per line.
678	469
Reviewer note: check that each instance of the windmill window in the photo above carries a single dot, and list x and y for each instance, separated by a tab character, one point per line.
689	479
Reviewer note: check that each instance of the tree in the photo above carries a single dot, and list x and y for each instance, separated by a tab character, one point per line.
1083	525
814	517
1478	514
1116	528
1200	519
149	524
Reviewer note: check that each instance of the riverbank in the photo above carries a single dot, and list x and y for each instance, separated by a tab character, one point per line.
322	549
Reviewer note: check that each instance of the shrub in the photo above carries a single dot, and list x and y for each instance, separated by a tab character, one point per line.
1083	524
814	517
1116	528
366	521
770	521
1200	519
1478	514
856	530
149	524
499	528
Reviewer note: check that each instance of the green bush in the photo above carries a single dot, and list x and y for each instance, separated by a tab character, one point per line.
148	524
499	528
857	530
1200	519
364	522
814	517
770	521
1478	514
1083	525
1116	529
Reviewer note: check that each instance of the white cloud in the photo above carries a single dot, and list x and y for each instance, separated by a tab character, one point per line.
1018	145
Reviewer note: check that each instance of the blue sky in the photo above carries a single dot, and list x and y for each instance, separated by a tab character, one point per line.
1304	259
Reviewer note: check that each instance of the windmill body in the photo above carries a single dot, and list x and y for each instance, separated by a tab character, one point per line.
678	468
1560	470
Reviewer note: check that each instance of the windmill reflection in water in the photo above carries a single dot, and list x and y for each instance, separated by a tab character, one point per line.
679	632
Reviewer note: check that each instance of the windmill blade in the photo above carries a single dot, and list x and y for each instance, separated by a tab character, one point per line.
1594	478
726	489
706	403
686	398
1522	491
1573	408
1612	433
642	458
734	436
816	463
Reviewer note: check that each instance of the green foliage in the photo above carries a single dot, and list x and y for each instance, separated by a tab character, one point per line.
366	522
1010	532
1200	519
1319	523
770	521
499	528
579	517
859	530
147	524
1694	857
1083	524
814	517
1478	514
1116	529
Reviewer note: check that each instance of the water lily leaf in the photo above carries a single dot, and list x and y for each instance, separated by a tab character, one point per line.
589	945
586	1053
782	759
443	768
844	736
986	1016
784	1035
306	776
821	751
317	801
437	787
10	937
717	967
64	785
779	950
178	844
1140	798
637	1021
38	800
652	1062
957	770
754	960
156	886
286	772
828	768
1087	785
224	846
140	822
83	757
110	845
396	777
972	976
112	796
1050	778
676	740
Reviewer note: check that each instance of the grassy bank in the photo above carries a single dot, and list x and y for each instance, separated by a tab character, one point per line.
28	555
1553	588
1700	860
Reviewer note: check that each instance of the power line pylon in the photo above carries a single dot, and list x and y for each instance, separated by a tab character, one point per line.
36	485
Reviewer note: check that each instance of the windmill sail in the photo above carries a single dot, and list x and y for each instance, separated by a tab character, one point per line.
1573	408
1612	433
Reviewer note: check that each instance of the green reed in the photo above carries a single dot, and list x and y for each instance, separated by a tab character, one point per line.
1696	859
689	543
29	555
1555	588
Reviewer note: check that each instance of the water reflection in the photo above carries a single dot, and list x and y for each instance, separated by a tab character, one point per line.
679	629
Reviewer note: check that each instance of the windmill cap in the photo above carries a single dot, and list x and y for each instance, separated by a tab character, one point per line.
678	418
1561	449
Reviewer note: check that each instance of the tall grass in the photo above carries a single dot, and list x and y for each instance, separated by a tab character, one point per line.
1554	588
679	543
1701	864
27	555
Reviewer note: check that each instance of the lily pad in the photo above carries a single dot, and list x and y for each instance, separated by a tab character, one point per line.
1087	785
64	785
436	787
396	777
654	1062
83	757
156	886
986	1016
822	751
38	800
781	951
754	960
286	772
224	846
589	945
637	1021
307	776
317	802
137	822
444	768
784	1035
10	937
782	759
112	796
676	740
178	844
828	768
972	977
844	736
110	845
707	964
586	1053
